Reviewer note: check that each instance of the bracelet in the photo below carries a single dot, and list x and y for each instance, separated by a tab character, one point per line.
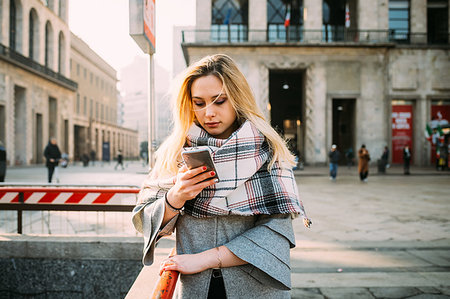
176	210
218	257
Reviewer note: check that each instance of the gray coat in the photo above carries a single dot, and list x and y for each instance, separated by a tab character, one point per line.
263	241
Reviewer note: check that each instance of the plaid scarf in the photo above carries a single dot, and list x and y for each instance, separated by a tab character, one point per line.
246	187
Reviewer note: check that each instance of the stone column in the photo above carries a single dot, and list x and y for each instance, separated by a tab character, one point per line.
313	20
418	21
203	21
315	112
4	25
257	20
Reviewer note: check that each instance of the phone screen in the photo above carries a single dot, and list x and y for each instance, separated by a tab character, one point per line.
199	157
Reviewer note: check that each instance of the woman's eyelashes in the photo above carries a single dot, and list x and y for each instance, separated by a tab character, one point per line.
217	102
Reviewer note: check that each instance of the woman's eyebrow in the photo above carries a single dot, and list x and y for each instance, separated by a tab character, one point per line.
213	97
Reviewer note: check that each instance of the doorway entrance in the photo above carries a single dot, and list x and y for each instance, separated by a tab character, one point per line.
344	126
286	94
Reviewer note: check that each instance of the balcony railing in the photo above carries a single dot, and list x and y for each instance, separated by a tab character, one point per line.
27	63
277	33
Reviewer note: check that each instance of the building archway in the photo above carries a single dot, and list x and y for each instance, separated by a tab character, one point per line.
48	45
33	37
15	25
61	53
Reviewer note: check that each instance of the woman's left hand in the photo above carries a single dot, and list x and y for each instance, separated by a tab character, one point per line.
187	263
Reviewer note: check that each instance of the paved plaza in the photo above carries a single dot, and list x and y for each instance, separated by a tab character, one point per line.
388	238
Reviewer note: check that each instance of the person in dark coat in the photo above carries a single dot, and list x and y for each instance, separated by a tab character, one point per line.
363	163
52	155
334	156
119	160
2	162
406	159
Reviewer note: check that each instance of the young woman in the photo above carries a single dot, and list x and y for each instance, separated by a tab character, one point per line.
233	235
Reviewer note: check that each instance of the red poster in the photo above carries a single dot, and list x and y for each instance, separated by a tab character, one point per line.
440	115
402	130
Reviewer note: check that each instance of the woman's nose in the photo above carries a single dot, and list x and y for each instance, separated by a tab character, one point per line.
210	111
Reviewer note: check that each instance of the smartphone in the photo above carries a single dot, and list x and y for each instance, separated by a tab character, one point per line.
200	156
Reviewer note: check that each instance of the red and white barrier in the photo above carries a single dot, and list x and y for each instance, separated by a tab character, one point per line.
62	195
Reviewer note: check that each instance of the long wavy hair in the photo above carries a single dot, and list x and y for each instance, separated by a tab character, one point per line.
238	91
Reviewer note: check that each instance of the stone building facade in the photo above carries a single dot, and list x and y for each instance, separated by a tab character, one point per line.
346	72
95	105
35	93
38	95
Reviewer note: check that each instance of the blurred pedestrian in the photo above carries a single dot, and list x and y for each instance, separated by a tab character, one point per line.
52	155
119	160
406	159
385	157
334	156
93	157
349	155
363	163
85	160
2	162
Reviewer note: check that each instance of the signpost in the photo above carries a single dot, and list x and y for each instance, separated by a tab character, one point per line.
142	30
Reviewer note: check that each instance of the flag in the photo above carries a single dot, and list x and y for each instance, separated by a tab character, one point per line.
428	132
227	17
347	16
287	21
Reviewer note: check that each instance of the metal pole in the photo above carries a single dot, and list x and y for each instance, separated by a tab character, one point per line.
19	213
151	114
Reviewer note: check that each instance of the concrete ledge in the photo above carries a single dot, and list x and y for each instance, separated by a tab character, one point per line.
68	247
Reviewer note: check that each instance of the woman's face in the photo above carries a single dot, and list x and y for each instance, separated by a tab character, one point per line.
212	107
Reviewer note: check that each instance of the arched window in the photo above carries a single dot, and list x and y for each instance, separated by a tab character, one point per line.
61	53
333	20
33	37
48	45
15	25
284	20
229	20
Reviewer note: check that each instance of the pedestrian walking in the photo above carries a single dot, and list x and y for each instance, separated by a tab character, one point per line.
93	157
119	160
385	157
349	155
52	156
233	234
363	163
334	156
2	162
406	159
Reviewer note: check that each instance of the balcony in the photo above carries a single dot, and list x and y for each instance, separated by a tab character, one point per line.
277	33
28	64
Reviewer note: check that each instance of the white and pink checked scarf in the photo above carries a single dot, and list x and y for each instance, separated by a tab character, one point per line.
245	187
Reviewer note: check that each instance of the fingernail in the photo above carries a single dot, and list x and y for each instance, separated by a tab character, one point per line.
216	180
212	173
204	168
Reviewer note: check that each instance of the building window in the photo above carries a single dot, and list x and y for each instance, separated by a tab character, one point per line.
91	77
84	106
333	20
91	108
229	20
437	18
78	103
96	110
399	20
102	112
277	11
78	69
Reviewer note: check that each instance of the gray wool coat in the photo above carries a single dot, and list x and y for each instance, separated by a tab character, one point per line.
263	241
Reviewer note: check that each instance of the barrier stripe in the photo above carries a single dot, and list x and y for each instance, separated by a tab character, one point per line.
103	198
76	197
48	197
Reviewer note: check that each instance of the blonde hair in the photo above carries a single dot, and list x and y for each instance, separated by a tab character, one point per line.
238	91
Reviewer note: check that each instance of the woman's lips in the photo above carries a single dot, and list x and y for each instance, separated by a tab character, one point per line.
212	124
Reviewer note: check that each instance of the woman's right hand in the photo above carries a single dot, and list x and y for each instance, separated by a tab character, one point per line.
188	184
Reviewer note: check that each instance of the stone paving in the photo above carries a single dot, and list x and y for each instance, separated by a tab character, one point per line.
388	238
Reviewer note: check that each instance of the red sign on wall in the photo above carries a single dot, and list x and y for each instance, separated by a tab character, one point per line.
402	130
